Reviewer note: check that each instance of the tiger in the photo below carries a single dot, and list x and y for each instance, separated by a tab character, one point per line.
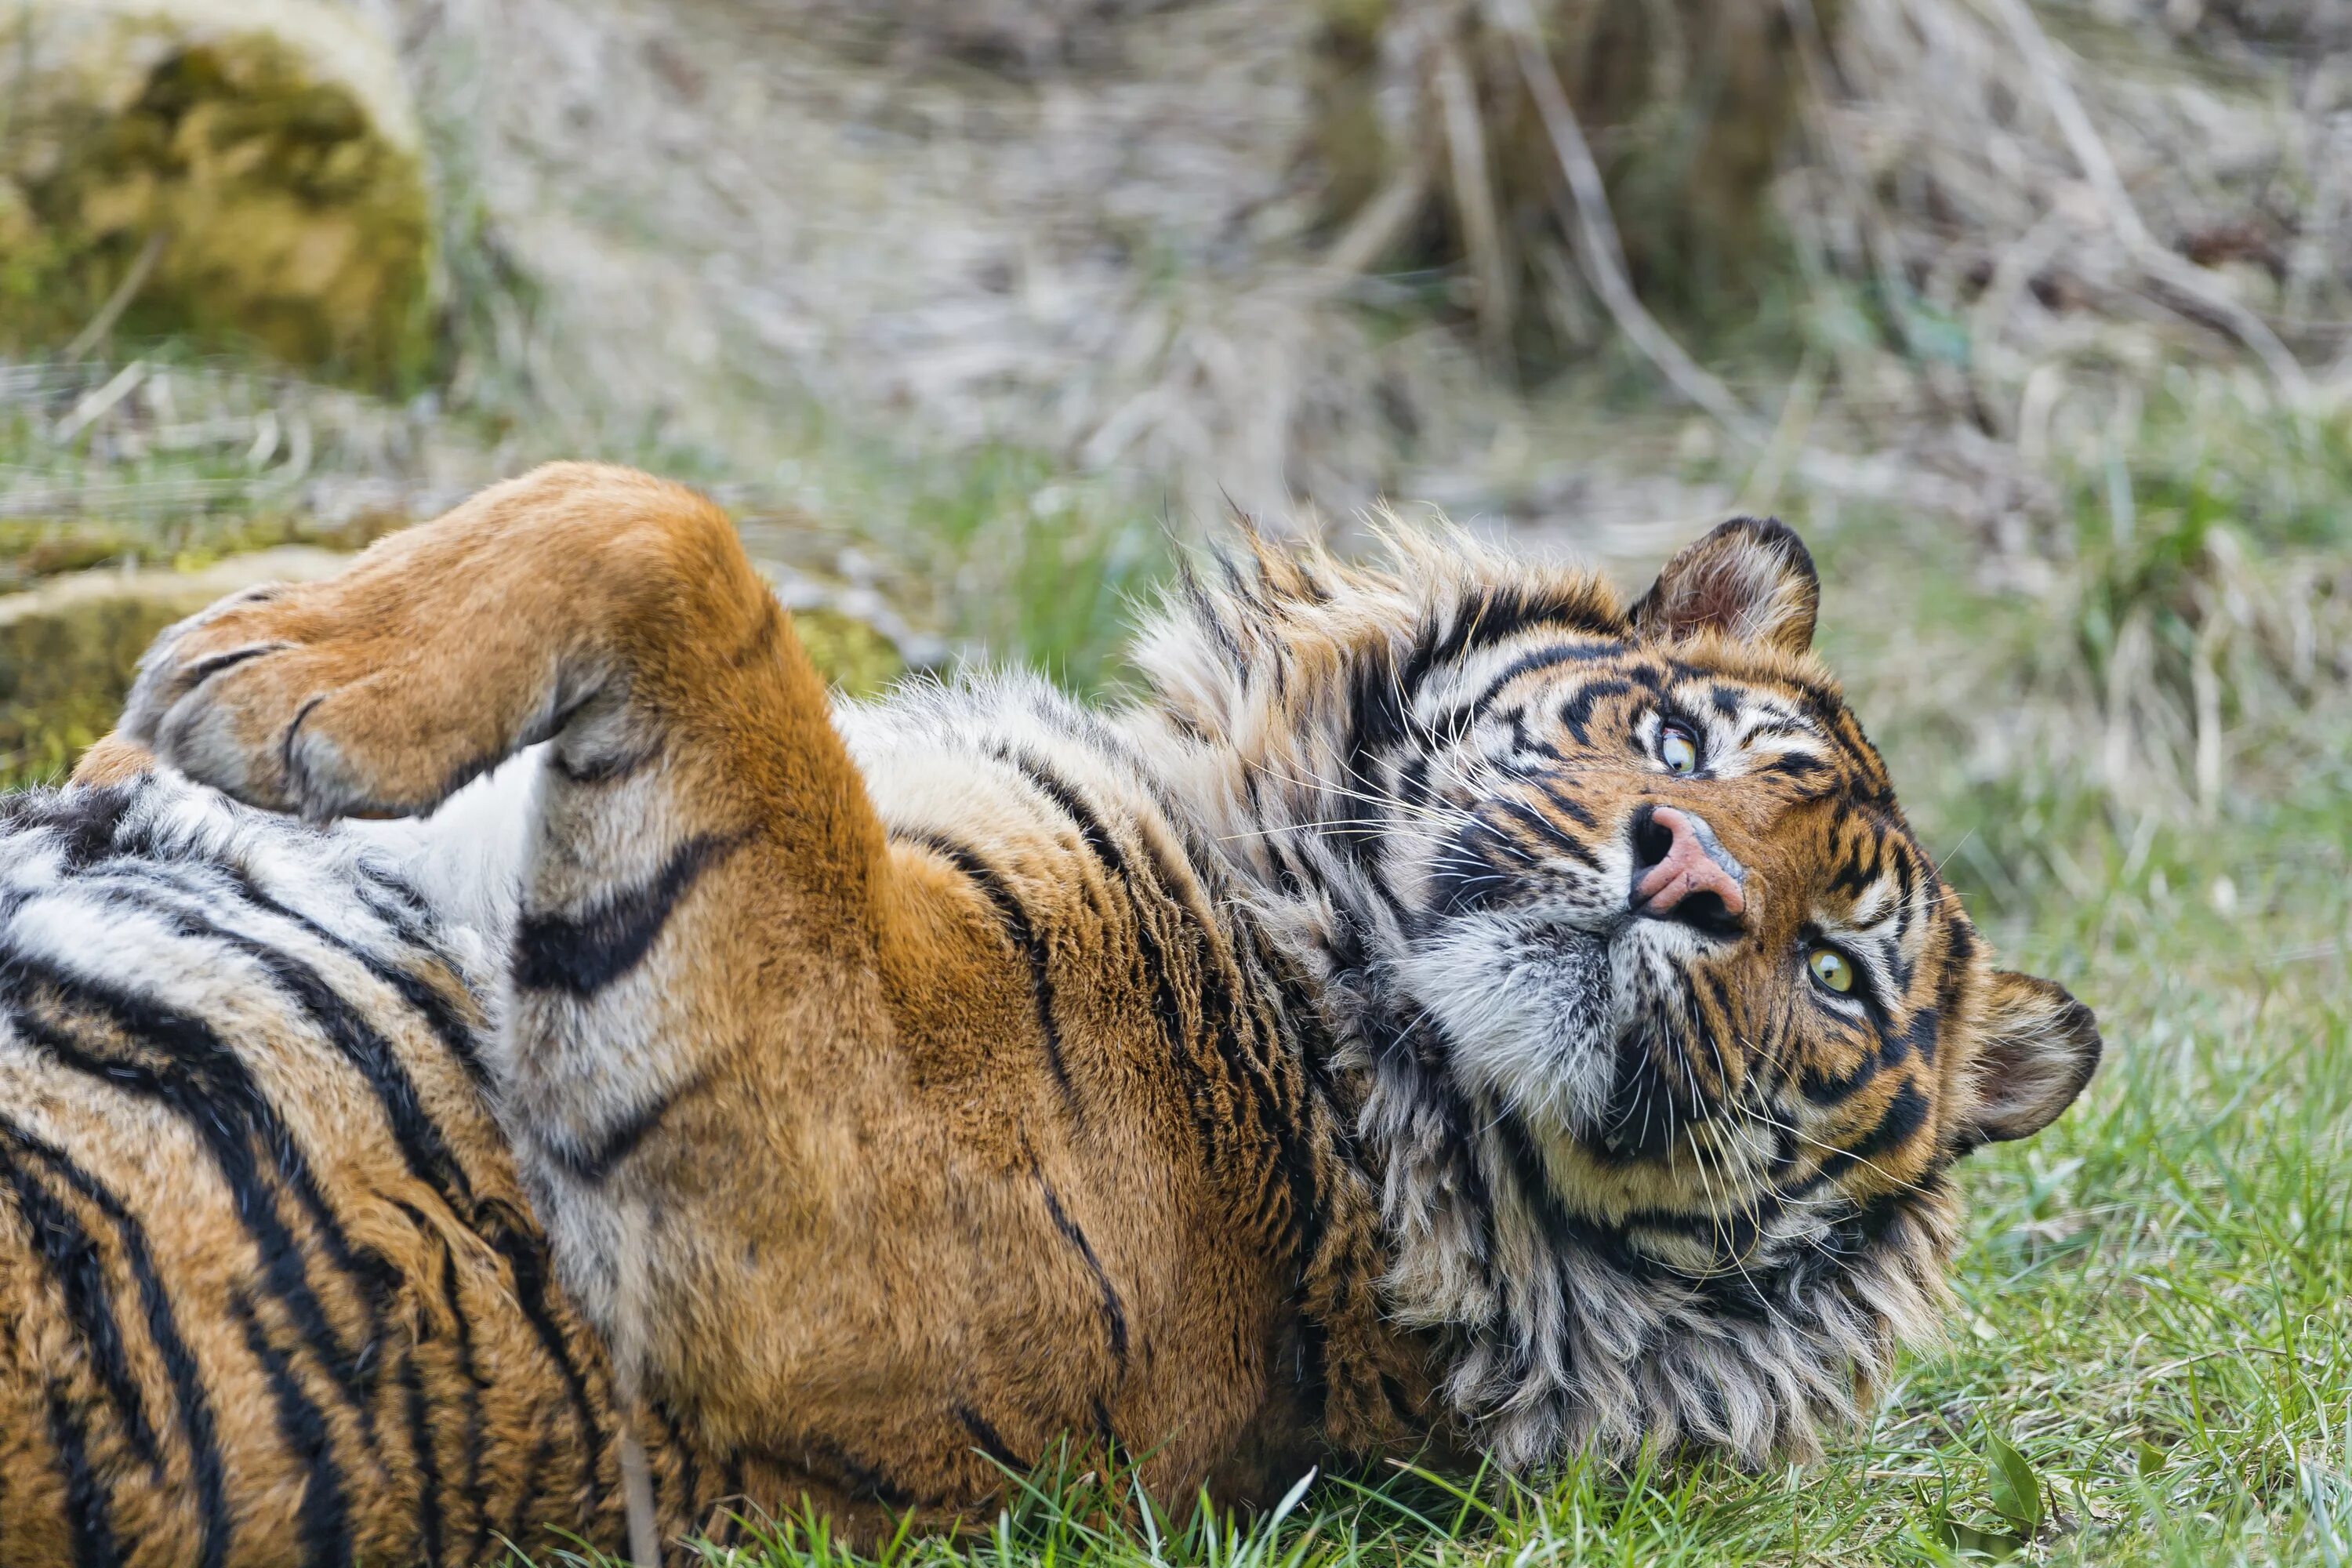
492	1053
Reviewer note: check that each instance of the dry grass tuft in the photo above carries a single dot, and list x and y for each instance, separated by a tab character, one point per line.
1264	248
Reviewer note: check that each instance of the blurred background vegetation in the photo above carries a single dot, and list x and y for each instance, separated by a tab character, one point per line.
2034	315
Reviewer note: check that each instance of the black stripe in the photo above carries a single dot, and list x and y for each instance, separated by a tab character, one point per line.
1525	1163
1411	1057
525	1251
1758	1044
689	1469
70	1255
1858	868
89	1502
323	1520
423	1148
1022	933
1412	784
1826	1089
1494	614
1905	1114
1576	713
1906	887
440	1015
601	770
858	1481
1567	805
1114	1312
1223	987
85	818
1295	1164
421	1439
736	1503
1917	1038
1546	831
985	1437
1731	1235
343	1023
473	1384
1251	1041
180	1370
192	676
597	1158
1209	617
583	954
202	1082
1465	880
1166	1006
1063	793
1526	664
1379	720
532	1491
438	1012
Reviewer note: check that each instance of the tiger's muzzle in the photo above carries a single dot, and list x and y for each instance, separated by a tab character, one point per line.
1682	872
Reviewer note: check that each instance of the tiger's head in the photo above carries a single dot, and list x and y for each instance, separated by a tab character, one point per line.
1660	1030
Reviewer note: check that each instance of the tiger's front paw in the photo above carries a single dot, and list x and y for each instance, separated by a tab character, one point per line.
295	697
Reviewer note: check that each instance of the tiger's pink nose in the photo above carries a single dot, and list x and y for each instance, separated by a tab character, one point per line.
1677	861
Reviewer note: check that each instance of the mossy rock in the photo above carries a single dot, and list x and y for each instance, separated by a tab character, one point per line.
63	679
67	657
245	173
33	549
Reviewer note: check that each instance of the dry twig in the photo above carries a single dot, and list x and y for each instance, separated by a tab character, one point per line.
1599	250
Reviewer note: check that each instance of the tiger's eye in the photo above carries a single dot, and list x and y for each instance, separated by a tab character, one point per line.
1830	968
1677	750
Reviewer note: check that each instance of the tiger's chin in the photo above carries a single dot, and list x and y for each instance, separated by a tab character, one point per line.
1527	1011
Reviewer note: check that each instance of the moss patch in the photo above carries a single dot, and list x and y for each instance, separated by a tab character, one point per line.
850	653
63	679
257	201
32	548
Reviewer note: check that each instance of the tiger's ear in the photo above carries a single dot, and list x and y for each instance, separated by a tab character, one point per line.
1752	579
2037	1047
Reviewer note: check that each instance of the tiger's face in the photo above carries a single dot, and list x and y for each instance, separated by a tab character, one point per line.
1665	1029
1659	906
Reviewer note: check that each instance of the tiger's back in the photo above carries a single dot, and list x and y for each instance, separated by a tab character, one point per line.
269	1288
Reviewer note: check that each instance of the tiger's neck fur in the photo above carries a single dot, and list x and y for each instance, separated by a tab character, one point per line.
1291	696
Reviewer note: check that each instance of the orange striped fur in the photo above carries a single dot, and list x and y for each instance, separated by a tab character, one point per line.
1374	1036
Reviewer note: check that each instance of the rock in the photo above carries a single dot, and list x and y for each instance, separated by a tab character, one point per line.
63	678
247	172
68	648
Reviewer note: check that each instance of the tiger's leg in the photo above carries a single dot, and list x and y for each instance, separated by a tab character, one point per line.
712	933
